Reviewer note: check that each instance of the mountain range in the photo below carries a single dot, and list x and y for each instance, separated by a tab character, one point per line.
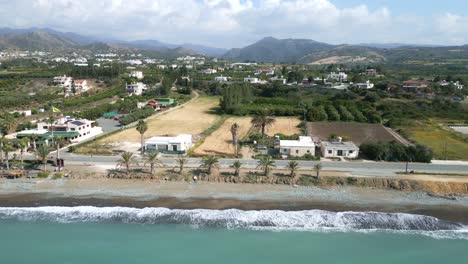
269	49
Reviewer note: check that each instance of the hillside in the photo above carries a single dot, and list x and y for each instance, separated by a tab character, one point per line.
37	40
277	50
345	54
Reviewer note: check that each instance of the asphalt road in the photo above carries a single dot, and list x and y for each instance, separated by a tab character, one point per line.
355	167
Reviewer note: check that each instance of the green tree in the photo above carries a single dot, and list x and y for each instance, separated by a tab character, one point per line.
237	165
7	148
151	158
292	166
42	154
209	163
266	163
235	138
126	160
262	120
142	127
22	144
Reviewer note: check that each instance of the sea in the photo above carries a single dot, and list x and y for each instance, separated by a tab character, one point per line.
118	235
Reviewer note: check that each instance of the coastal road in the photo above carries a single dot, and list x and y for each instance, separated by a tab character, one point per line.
367	168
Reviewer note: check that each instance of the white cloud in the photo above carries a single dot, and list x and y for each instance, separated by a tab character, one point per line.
229	23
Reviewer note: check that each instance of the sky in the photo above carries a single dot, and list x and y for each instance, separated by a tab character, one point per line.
236	23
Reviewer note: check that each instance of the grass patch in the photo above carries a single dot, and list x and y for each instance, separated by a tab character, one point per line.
446	143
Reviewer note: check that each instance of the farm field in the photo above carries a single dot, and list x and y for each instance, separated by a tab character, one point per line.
357	132
446	143
193	118
220	141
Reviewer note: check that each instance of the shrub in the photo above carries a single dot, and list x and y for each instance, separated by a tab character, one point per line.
43	174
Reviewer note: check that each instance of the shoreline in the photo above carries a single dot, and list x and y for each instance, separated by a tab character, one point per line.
219	196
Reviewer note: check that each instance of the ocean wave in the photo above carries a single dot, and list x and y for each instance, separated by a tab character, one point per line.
233	218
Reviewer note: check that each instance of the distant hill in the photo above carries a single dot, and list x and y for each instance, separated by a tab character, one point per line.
396	45
37	40
344	54
277	50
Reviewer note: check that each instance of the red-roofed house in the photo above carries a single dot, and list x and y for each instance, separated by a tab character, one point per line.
81	86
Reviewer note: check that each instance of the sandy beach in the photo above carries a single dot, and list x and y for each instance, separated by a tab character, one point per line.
184	195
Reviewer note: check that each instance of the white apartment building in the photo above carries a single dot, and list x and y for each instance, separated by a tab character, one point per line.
340	76
135	88
136	74
81	86
63	81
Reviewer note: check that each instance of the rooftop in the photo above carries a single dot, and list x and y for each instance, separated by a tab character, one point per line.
304	142
339	144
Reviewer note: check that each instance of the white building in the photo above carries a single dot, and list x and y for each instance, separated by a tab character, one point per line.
135	88
209	71
136	74
337	149
297	148
81	86
251	80
278	79
366	85
169	145
74	130
221	79
63	81
340	77
23	112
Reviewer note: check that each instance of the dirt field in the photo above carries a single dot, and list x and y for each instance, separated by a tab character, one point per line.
192	118
220	141
358	132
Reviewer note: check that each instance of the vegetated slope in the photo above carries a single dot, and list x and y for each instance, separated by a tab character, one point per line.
38	40
277	50
344	54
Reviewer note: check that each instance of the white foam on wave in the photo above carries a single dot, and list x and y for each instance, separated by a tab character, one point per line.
312	220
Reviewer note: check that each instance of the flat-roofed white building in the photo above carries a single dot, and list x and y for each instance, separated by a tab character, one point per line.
169	145
135	88
251	80
366	85
221	79
136	74
297	148
81	86
337	149
63	81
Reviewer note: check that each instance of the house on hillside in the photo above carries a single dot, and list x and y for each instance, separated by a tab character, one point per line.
339	148
297	148
209	71
340	76
135	88
366	85
169	145
221	79
415	86
63	81
81	86
277	79
136	74
251	80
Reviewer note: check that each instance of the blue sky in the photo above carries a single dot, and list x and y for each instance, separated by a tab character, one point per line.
236	23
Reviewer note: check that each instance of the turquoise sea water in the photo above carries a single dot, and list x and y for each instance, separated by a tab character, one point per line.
36	240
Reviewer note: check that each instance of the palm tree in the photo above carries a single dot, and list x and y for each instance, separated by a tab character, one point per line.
59	141
142	127
262	120
151	158
22	144
318	167
209	163
7	148
182	162
292	166
265	163
2	141
237	165
235	138
33	140
42	153
126	159
6	123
